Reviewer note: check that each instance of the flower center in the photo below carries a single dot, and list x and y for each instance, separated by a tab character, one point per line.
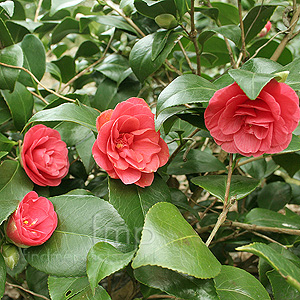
124	140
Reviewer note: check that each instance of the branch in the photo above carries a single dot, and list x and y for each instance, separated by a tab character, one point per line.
242	30
186	57
37	81
27	291
38	10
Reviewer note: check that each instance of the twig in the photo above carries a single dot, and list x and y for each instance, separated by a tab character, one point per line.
173	68
208	208
90	66
267	238
38	10
161	297
37	81
249	160
186	57
27	291
242	30
287	38
38	96
226	205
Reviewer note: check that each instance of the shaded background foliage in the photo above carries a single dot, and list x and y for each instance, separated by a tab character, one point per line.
61	62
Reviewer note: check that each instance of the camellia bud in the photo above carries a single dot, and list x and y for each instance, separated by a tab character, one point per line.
266	29
282	76
166	21
11	255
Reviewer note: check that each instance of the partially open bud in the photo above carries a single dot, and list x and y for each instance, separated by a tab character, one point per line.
282	76
166	21
11	255
266	29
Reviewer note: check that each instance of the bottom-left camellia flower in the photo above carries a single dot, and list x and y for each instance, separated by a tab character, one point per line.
33	222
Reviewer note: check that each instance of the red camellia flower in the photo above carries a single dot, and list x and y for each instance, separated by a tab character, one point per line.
127	146
44	156
253	127
33	222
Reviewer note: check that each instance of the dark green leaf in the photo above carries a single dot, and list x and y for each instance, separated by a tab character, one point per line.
269	218
17	31
67	26
75	288
182	6
12	55
166	114
166	234
20	103
151	9
3	154
211	12
196	162
177	284
286	267
103	260
24	26
140	57
2	275
256	19
251	83
57	5
228	13
34	59
9	7
281	289
5	36
54	71
37	281
256	168
74	236
12	176
185	89
83	115
87	49
66	66
4	111
5	143
261	65
235	283
138	200
231	32
289	161
159	42
216	184
60	49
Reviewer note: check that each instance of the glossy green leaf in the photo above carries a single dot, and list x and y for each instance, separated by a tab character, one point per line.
34	60
251	83
66	65
12	55
3	154
240	186
235	283
150	8
269	218
211	12
5	143
130	198
27	26
12	176
285	267
80	114
87	49
20	103
288	161
256	168
166	234
64	288
2	275
8	6
67	26
115	67
74	236
274	195
37	281
140	57
4	111
281	289
57	5
232	32
185	89
293	78
54	70
182	6
159	42
103	260
256	19
293	146
261	65
228	13
196	162
5	36
167	114
177	284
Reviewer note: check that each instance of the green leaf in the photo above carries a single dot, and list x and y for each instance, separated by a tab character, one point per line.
261	65
115	67
196	162
81	220
34	60
140	57
235	283
20	103
211	12
63	288
83	115
182	6
5	36
57	5
177	284
228	13
66	65
231	32
293	146
269	218
3	154
9	7
293	78
159	42
65	27
2	275
166	234
151	9
28	26
5	143
256	19
240	186
12	55
87	49
281	289
138	200
251	83
166	114
185	89
256	168
12	176
37	281
103	260
288	161
54	70
285	267
4	111
274	195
